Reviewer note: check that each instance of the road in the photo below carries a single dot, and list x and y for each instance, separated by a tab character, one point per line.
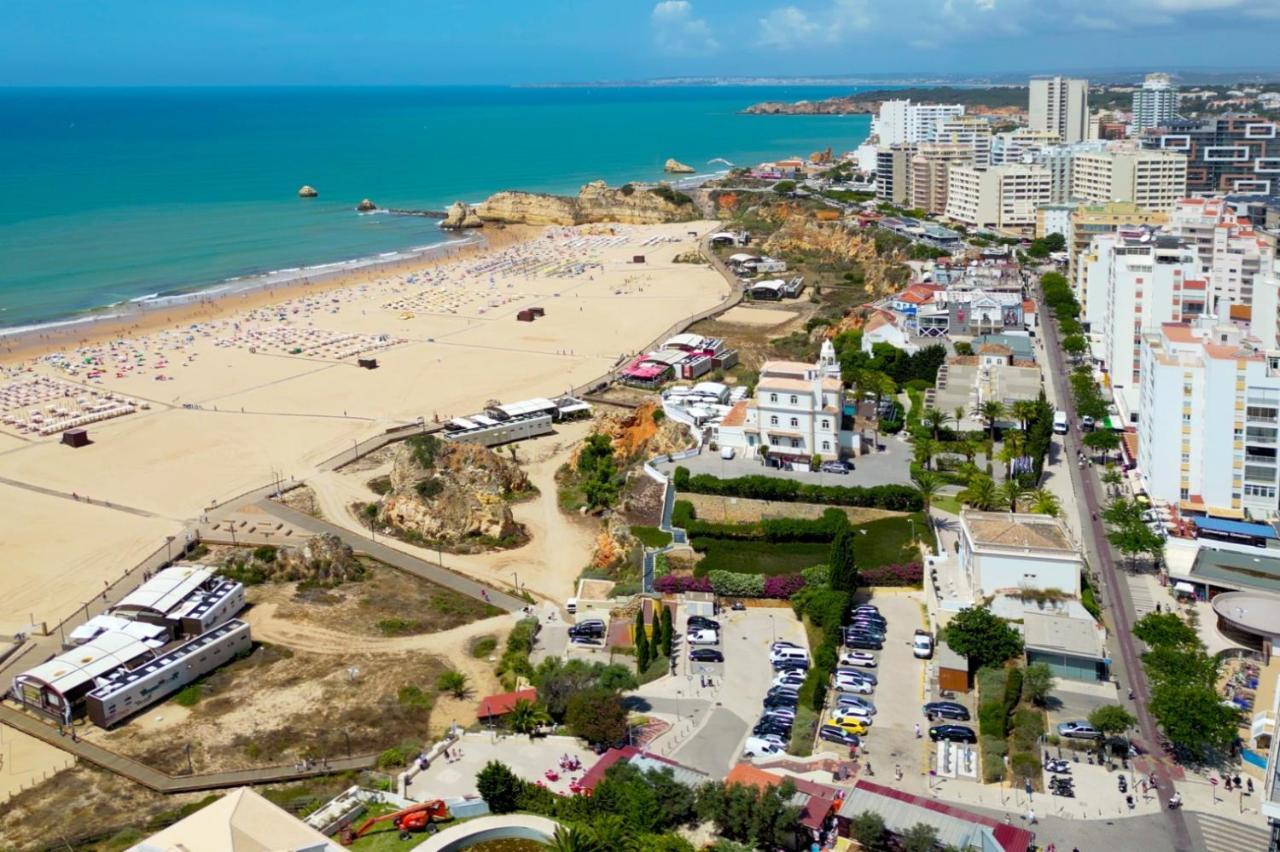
1119	612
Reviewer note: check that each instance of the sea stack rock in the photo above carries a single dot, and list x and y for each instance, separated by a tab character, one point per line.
676	167
366	206
307	192
460	215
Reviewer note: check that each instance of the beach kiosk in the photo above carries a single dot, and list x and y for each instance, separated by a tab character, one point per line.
78	437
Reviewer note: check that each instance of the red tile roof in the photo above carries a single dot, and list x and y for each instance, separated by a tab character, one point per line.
1010	837
820	799
595	774
502	703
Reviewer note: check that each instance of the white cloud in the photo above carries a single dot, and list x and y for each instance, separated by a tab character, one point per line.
787	27
677	30
790	26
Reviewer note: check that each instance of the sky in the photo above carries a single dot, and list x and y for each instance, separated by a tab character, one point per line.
412	42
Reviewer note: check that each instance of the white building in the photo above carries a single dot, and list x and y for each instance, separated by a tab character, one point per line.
1021	145
1154	180
1156	102
1060	161
1232	254
1225	394
1002	198
795	415
970	131
902	122
882	327
240	821
1060	104
1002	552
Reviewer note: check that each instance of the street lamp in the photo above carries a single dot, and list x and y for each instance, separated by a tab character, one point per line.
772	629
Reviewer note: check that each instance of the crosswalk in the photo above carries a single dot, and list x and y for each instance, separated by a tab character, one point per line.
1214	833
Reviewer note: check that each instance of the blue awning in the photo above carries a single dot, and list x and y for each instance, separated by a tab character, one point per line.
1222	525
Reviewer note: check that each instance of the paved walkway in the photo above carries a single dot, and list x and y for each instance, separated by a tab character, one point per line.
430	571
161	782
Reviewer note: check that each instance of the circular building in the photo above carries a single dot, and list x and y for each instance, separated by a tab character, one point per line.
1250	618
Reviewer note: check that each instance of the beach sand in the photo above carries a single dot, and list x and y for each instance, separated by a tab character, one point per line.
241	391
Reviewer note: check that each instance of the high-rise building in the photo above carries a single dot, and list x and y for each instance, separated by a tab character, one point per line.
1135	280
902	122
1021	145
1154	180
1002	198
1091	220
929	170
1224	393
1226	155
893	170
1155	103
1060	161
1232	254
1061	105
969	130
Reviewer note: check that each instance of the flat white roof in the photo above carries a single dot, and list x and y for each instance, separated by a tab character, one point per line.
693	340
166	589
528	406
83	664
462	423
102	623
716	388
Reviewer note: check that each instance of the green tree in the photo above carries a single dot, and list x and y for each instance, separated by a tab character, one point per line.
844	569
1045	502
1103	441
927	486
924	449
958	415
1132	540
1075	345
920	837
869	830
991	411
1011	493
1037	683
598	472
1111	719
784	187
981	493
1025	411
576	838
1112	479
642	643
526	717
500	787
668	635
983	637
1166	628
1193	716
934	418
597	715
453	682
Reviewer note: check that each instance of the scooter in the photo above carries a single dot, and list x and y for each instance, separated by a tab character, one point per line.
1059	766
1124	785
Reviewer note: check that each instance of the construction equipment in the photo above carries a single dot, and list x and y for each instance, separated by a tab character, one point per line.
422	817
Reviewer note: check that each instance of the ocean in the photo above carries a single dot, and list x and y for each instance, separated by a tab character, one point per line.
119	195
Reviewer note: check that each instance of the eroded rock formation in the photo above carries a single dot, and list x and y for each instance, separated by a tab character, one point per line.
595	202
676	167
460	215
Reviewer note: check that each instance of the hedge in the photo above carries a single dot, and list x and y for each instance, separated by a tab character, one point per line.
772	529
678	583
682	513
901	498
993	750
893	575
732	584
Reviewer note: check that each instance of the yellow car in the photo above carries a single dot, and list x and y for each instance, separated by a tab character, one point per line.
853	726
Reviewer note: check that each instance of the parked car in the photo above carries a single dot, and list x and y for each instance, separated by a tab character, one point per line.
954	733
786	691
591	628
726	452
855	701
835	467
791	665
756	746
775	701
706	655
780	644
704	637
1087	423
767	725
852	711
782	714
794	677
835	734
857	674
861	687
858	658
777	740
922	646
701	622
867	608
866	643
946	710
848	723
1078	730
787	654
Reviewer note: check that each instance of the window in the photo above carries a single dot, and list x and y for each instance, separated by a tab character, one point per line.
793	399
795	442
773	397
1186	457
773	421
795	423
826	445
1184	493
826	424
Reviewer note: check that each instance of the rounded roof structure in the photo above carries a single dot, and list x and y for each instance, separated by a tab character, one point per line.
1252	612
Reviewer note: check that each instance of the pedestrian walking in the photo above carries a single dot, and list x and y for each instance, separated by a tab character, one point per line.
897	770
918	734
1031	816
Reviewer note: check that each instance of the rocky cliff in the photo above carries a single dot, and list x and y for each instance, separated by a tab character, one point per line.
460	215
676	167
456	495
595	202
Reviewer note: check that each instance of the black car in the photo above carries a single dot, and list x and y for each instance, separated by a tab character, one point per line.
868	624
781	701
835	734
783	690
863	642
706	655
947	710
954	733
594	627
775	728
701	622
866	627
787	665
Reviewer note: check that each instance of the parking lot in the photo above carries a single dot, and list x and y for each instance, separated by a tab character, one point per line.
898	696
890	467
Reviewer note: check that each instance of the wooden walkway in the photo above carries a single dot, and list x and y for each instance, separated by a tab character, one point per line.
154	779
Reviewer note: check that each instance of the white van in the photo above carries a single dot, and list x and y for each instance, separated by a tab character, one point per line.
726	452
757	746
779	654
1060	422
704	637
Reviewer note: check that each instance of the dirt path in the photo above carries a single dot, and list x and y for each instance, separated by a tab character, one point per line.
560	545
313	639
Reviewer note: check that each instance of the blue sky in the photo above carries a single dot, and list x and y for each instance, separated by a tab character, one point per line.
179	42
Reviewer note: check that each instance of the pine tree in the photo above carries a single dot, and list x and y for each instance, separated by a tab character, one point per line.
667	632
642	643
844	571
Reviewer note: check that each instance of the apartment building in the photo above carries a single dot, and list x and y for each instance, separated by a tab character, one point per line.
1002	198
1060	161
902	122
893	170
1055	219
1021	145
1153	180
1137	280
1090	220
1060	105
1224	392
970	131
1229	154
1155	103
929	170
1232	253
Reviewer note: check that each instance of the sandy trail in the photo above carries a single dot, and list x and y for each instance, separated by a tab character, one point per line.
560	545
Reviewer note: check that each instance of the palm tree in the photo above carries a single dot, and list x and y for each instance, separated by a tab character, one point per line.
1007	455
1024	410
453	681
927	485
981	493
575	839
925	448
1045	502
991	411
959	415
935	419
970	449
526	717
1011	492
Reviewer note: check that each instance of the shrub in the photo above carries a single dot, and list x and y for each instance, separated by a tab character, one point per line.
1025	764
991	720
1012	690
681	481
678	583
818	575
189	696
783	586
424	449
732	584
902	498
993	750
266	553
1028	725
893	575
483	646
428	488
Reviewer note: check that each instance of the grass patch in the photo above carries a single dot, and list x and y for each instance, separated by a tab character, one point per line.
1088	597
758	557
888	541
947	504
189	696
658	667
385	837
803	732
651	536
483	646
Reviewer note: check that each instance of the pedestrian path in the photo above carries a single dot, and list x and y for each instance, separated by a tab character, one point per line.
1141	594
1215	833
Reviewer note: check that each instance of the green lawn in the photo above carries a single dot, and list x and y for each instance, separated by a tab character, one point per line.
888	541
947	504
883	542
651	536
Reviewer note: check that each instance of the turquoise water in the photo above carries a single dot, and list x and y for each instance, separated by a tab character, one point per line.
118	194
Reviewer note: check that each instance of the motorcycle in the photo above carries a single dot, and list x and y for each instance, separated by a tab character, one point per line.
1058	766
1124	785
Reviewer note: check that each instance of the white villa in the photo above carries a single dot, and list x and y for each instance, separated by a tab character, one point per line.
795	415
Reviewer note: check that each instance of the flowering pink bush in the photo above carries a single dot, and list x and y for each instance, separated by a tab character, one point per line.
783	586
676	583
892	575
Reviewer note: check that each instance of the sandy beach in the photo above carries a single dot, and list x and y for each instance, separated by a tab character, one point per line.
198	405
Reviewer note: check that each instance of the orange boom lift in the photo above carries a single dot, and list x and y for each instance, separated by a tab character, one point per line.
421	817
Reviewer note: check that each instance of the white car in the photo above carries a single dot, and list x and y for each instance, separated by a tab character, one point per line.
849	714
861	687
726	452
704	637
922	646
760	746
789	678
858	658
